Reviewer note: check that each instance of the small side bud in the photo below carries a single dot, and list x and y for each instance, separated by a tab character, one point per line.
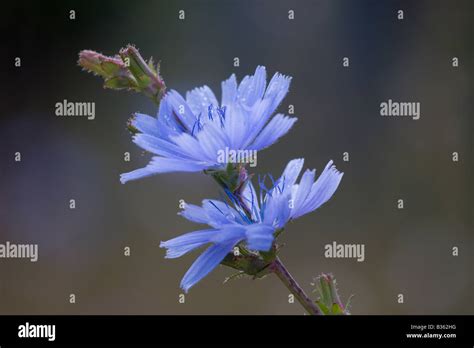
111	69
329	301
146	74
127	70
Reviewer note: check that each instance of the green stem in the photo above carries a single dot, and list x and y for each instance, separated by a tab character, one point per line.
282	273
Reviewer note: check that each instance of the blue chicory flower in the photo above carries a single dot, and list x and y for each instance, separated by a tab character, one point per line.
253	220
187	135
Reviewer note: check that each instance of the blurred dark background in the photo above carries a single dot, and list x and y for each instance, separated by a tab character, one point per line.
408	251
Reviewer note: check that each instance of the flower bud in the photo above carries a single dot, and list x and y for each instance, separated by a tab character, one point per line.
111	69
146	74
329	301
128	70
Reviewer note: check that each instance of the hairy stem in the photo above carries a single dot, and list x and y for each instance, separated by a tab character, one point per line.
280	270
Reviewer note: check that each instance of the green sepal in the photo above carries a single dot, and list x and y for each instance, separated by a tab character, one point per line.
322	307
120	82
250	264
328	301
227	178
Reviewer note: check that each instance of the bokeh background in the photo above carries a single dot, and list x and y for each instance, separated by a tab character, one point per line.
81	251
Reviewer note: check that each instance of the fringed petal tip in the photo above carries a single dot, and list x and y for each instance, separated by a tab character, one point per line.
332	167
135	174
126	177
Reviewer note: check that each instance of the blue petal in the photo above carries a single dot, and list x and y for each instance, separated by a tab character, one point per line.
191	147
168	124
229	91
321	191
220	213
205	263
146	124
261	112
277	208
159	146
181	245
229	233
195	213
213	130
291	172
200	98
259	236
163	165
276	128
181	110
277	90
302	190
211	139
236	127
250	199
252	88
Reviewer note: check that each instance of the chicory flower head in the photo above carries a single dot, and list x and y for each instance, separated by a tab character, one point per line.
187	135
253	220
